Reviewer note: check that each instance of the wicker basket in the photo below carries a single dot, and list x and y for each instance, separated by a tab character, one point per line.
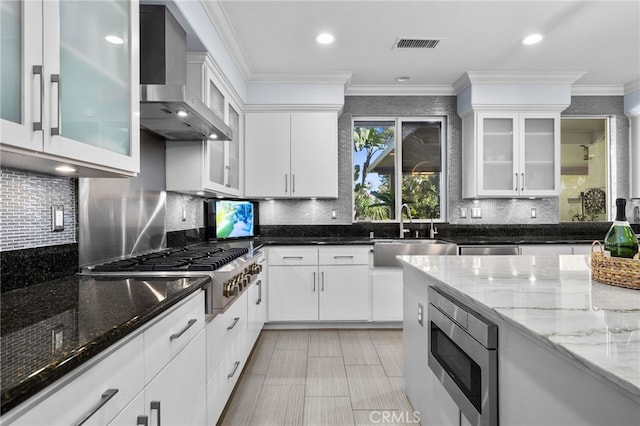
616	271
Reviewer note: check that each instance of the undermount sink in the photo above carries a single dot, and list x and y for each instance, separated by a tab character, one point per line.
386	250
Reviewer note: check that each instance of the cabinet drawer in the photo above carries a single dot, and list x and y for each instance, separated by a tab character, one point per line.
167	337
221	384
122	370
344	256
293	256
223	332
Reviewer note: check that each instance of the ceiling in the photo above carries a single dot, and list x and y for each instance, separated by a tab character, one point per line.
275	41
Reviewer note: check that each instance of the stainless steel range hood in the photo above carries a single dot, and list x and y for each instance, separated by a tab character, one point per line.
167	107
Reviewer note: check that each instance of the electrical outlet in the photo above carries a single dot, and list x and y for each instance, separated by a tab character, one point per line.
184	214
463	213
476	212
57	338
533	213
334	214
57	218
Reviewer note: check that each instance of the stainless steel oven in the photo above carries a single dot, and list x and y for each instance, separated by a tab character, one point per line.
463	348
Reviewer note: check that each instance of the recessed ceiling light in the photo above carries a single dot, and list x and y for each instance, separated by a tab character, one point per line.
182	113
200	193
402	79
113	39
532	39
65	169
325	38
213	136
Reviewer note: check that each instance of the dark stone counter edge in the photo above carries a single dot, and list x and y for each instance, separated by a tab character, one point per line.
13	397
360	241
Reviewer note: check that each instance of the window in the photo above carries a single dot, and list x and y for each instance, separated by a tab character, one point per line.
397	161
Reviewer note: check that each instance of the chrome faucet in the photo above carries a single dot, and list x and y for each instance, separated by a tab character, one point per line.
432	230
402	230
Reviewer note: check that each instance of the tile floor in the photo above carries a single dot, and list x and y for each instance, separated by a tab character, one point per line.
322	377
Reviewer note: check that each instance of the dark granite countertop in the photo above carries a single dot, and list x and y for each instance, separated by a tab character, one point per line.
292	241
85	315
463	240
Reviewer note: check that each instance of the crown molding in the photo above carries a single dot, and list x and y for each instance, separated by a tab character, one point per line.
633	86
343	78
598	90
395	90
529	77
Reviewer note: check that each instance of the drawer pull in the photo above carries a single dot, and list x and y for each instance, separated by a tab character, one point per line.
343	257
155	405
142	421
233	324
292	257
104	398
322	280
233	372
55	78
181	332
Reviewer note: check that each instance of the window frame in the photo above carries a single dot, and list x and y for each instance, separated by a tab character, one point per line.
398	120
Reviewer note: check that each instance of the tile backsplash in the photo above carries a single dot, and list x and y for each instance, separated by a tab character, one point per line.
26	199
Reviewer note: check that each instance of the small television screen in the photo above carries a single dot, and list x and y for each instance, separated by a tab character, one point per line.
235	219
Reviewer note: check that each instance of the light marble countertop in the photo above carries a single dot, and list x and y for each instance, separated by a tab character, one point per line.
552	299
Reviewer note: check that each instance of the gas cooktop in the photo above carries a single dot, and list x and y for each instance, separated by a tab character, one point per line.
175	260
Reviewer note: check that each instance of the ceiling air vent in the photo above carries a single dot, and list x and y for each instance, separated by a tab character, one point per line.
416	43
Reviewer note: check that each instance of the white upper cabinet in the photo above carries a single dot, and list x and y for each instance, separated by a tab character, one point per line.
213	165
291	154
511	154
69	87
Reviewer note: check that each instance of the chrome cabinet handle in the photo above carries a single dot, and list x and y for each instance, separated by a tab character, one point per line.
314	282
343	257
522	181
233	372
322	280
259	284
142	421
292	257
55	78
37	70
233	324
155	405
517	182
104	398
286	183
293	183
181	332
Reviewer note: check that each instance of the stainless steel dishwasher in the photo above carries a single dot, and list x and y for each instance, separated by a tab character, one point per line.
489	249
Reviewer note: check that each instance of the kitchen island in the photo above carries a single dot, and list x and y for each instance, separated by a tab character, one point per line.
568	348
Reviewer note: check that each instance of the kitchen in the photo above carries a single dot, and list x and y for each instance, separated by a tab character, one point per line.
252	90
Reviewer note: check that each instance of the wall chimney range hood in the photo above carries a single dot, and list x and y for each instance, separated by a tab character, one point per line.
167	107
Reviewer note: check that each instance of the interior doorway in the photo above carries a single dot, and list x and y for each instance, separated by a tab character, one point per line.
584	169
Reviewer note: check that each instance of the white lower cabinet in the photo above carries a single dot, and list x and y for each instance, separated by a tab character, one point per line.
386	294
311	284
120	374
176	396
164	354
257	305
229	343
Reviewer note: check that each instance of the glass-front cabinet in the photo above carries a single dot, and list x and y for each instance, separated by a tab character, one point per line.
69	85
512	154
213	165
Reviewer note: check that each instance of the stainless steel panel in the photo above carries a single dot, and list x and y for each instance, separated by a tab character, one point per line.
490	250
123	217
385	251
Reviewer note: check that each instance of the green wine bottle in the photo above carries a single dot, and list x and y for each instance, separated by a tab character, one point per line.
620	241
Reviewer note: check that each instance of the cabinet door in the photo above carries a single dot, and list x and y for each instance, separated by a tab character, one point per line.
498	173
91	95
267	159
314	154
293	293
344	293
177	395
232	165
539	155
21	82
386	294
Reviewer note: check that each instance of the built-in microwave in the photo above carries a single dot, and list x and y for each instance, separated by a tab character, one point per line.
463	348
